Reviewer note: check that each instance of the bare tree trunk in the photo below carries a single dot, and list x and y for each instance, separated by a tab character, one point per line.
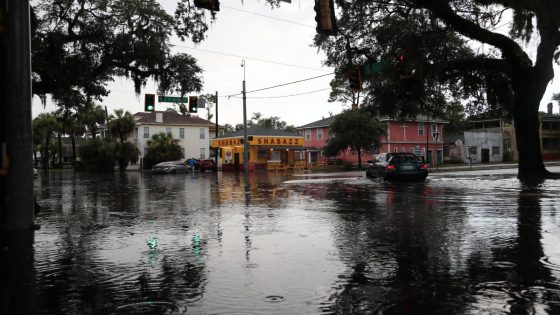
529	86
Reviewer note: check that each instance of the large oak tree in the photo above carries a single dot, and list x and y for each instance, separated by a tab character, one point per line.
479	51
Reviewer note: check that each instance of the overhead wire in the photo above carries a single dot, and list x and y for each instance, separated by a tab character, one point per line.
280	85
283	96
267	16
251	58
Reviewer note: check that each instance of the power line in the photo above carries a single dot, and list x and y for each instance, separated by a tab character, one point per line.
283	84
282	96
250	58
268	16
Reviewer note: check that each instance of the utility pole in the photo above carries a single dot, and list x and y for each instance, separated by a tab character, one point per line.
216	134
245	142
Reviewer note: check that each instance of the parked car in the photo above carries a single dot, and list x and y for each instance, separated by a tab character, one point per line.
172	167
394	166
206	165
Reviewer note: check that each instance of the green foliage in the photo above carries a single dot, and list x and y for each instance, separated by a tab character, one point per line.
162	147
121	125
97	155
353	130
126	153
44	127
80	46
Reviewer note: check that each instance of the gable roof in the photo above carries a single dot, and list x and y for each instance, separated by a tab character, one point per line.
170	118
261	131
326	122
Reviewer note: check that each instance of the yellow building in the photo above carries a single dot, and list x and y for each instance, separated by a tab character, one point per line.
267	147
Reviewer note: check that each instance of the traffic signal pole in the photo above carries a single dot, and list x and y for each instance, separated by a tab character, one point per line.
216	133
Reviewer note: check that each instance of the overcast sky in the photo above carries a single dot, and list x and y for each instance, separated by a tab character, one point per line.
275	52
276	47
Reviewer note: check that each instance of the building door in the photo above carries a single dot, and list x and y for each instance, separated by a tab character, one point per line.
439	157
484	155
429	161
236	161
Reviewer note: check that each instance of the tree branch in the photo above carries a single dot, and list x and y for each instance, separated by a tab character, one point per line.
509	48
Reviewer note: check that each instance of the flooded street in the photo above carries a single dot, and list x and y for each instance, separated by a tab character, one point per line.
214	243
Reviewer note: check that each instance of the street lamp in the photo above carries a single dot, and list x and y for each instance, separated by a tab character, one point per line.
245	142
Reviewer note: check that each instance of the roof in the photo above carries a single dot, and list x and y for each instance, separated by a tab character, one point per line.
326	122
419	118
260	131
171	118
453	138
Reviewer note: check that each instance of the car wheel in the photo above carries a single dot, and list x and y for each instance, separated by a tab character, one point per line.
173	172
380	177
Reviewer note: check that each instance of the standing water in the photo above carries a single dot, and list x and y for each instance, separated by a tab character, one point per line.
216	243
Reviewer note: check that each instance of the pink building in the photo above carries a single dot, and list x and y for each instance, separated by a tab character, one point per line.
422	135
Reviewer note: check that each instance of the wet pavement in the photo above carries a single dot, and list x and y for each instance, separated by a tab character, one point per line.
214	243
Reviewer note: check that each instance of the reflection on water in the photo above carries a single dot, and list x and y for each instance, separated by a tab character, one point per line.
273	244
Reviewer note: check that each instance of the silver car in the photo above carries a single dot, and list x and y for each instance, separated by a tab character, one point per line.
173	167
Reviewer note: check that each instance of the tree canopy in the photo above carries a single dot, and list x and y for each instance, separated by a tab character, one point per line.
107	39
355	131
469	50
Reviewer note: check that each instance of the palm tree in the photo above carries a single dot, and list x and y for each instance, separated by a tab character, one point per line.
121	127
44	126
92	116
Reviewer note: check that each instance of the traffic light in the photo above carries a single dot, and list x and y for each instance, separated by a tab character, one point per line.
149	102
355	79
193	104
213	5
325	17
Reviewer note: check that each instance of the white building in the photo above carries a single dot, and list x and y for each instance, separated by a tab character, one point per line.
192	132
484	146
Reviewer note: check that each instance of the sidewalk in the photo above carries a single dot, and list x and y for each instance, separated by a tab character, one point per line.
482	166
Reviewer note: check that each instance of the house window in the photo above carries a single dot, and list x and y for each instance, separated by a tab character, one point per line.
202	133
434	128
182	133
473	150
168	130
495	150
146	132
202	153
396	150
319	134
420	129
307	134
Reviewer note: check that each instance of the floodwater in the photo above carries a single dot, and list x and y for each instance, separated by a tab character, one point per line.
215	243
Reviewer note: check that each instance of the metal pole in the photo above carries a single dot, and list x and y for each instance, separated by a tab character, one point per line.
427	136
216	134
245	141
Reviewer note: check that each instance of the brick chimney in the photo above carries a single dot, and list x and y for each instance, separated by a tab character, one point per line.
159	117
549	107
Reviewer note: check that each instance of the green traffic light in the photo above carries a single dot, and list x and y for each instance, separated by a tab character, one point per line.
150	107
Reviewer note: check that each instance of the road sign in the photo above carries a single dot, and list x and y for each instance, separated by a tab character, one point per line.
173	99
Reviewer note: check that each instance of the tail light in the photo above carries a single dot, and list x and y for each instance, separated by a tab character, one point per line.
391	167
424	166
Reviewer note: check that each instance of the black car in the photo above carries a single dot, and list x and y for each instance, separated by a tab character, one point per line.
394	166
